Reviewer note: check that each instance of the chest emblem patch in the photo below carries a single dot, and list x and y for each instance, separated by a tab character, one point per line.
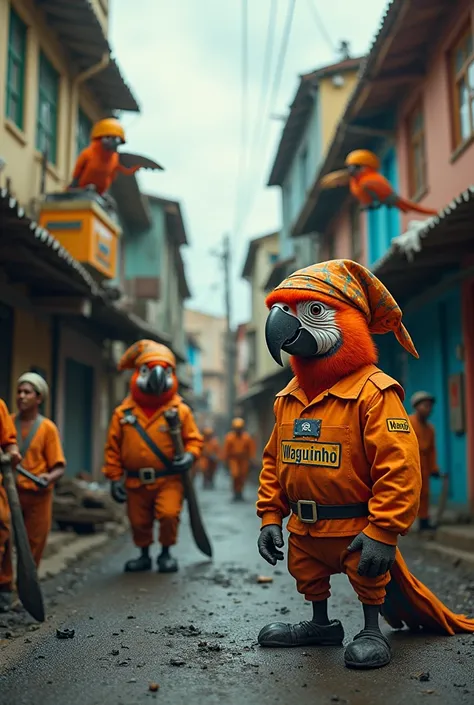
398	425
326	455
307	427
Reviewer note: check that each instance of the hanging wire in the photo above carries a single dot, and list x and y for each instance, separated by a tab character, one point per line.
244	113
273	97
320	24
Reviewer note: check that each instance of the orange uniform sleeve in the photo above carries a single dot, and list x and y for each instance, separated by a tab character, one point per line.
192	439
7	427
272	503
227	447
395	468
112	468
53	449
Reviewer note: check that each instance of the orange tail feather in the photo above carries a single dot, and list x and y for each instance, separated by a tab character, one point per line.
410	602
406	206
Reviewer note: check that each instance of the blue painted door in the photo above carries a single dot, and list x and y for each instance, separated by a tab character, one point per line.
79	387
384	223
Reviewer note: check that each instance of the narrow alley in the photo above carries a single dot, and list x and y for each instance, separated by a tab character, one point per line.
194	633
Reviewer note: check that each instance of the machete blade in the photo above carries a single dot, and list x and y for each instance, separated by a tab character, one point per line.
28	586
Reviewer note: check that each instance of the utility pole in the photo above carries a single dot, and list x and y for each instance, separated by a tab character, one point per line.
230	338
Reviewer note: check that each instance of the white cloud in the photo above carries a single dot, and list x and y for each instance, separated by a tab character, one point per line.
182	59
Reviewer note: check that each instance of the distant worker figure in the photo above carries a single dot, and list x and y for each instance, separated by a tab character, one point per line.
8	444
422	403
43	456
208	462
239	451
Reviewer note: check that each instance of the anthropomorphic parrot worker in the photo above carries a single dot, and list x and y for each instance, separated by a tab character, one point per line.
343	459
98	165
153	477
368	185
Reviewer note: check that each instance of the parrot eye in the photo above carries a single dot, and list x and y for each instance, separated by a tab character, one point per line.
144	370
316	309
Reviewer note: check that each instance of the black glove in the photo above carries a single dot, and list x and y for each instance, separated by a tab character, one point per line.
376	558
117	490
269	541
184	463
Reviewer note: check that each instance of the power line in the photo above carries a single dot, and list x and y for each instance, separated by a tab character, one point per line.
244	110
320	24
274	93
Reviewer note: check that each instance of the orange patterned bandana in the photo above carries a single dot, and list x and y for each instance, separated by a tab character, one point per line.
145	351
353	284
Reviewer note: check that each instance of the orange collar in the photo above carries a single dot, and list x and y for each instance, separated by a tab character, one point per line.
346	388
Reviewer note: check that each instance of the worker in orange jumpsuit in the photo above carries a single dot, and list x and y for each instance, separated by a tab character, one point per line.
343	460
422	403
208	462
40	446
8	444
139	449
239	451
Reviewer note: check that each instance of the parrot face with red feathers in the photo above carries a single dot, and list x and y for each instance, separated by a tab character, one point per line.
305	329
154	379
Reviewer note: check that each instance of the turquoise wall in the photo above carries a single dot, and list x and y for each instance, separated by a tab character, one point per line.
143	251
436	329
384	223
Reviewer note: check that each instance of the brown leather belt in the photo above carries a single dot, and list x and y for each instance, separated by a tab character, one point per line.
149	475
310	512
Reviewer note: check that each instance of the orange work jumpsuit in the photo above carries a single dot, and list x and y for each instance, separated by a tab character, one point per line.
45	453
361	450
239	450
7	438
209	460
160	498
429	465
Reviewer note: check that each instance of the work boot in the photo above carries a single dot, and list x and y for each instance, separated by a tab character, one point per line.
369	649
425	525
302	634
139	565
238	497
166	563
6	600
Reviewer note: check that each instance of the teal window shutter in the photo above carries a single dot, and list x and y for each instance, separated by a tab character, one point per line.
16	63
83	133
47	117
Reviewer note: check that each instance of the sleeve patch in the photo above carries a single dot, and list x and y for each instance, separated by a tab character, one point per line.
398	425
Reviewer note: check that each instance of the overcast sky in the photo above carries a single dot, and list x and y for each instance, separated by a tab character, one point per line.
182	59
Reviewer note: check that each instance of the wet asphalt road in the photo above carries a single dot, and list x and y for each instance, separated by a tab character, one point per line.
194	633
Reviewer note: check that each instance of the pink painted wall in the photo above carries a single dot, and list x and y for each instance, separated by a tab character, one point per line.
341	230
447	175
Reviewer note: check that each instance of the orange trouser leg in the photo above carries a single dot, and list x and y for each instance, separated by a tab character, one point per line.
168	504
312	561
38	516
239	469
141	514
6	573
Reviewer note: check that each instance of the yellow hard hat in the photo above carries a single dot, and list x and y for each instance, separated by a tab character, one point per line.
362	157
208	431
110	127
238	423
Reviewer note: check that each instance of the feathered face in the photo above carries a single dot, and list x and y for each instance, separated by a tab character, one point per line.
153	383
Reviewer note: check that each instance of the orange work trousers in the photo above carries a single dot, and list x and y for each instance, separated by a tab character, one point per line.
312	561
239	469
37	508
5	575
424	509
164	503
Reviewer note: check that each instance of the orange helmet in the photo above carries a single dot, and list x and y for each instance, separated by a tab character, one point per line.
110	127
238	423
145	351
362	157
208	431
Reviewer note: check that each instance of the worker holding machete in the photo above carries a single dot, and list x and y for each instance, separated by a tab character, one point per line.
42	466
9	445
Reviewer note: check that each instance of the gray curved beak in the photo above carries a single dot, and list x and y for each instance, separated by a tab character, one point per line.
155	383
281	328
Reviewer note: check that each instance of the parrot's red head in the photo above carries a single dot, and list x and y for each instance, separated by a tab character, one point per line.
327	339
154	381
323	316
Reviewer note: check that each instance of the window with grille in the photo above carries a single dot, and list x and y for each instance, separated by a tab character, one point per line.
14	107
462	72
47	117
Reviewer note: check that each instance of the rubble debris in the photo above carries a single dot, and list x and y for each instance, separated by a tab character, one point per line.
183	630
262	579
153	687
177	662
65	633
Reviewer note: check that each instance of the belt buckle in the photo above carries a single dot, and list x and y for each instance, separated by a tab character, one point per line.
314	511
146	475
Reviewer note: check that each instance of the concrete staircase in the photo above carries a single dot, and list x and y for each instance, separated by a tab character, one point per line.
456	543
